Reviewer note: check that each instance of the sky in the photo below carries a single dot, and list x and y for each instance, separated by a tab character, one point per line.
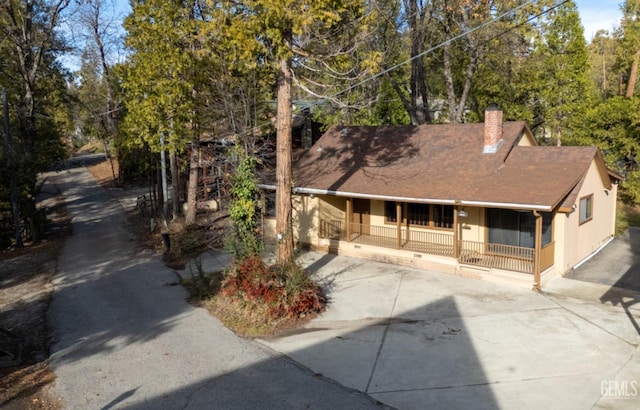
598	15
595	14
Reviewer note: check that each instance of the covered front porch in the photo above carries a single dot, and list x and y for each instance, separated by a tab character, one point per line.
447	243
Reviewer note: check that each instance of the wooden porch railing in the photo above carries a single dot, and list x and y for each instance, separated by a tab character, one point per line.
493	255
547	255
513	258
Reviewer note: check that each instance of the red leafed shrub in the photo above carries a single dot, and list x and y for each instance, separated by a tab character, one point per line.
286	291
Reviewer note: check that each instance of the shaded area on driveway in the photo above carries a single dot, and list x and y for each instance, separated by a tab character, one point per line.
617	264
421	339
125	337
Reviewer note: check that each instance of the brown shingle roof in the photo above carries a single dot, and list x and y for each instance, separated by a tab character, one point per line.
441	163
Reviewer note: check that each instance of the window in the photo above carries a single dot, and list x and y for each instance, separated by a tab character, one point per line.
431	216
418	214
443	216
390	211
517	228
586	208
269	204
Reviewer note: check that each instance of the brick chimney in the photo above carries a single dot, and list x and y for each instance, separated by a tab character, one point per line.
492	129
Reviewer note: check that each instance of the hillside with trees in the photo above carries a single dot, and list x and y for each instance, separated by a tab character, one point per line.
195	74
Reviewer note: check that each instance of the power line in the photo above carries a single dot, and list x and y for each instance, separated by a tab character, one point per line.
431	50
436	47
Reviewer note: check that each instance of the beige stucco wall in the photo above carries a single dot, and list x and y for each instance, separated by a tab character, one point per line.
577	241
377	213
269	229
561	230
332	209
307	213
525	141
305	218
472	227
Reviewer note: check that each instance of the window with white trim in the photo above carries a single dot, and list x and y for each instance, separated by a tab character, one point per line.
586	208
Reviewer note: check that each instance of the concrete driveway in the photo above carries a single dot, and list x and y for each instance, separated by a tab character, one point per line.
617	264
125	337
417	339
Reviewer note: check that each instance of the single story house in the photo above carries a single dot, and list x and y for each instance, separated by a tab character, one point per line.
481	200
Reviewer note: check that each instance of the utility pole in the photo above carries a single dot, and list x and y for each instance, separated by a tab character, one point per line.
13	177
165	190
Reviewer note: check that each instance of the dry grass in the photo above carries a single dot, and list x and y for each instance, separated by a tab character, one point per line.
249	321
103	172
627	215
93	147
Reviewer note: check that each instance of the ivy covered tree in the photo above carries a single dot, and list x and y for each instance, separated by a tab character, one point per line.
243	238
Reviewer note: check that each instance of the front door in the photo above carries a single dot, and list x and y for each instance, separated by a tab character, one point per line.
361	218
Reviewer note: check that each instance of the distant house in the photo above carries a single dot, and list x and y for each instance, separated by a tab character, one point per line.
480	200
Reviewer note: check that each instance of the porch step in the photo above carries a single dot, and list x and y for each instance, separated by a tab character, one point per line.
521	280
472	271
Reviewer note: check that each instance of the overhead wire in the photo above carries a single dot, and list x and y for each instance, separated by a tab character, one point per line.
431	50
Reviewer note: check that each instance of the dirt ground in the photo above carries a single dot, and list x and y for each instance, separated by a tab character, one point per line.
26	291
25	294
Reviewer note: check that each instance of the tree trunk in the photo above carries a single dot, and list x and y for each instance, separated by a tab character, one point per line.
158	185
192	189
448	80
283	163
633	75
13	176
405	102
418	111
175	189
412	19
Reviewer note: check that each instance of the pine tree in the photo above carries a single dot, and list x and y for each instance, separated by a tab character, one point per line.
628	46
272	32
561	66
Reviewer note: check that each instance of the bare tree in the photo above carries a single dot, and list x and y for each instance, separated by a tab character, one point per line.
417	16
99	29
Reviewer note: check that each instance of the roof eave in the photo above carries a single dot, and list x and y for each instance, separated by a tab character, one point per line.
481	204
